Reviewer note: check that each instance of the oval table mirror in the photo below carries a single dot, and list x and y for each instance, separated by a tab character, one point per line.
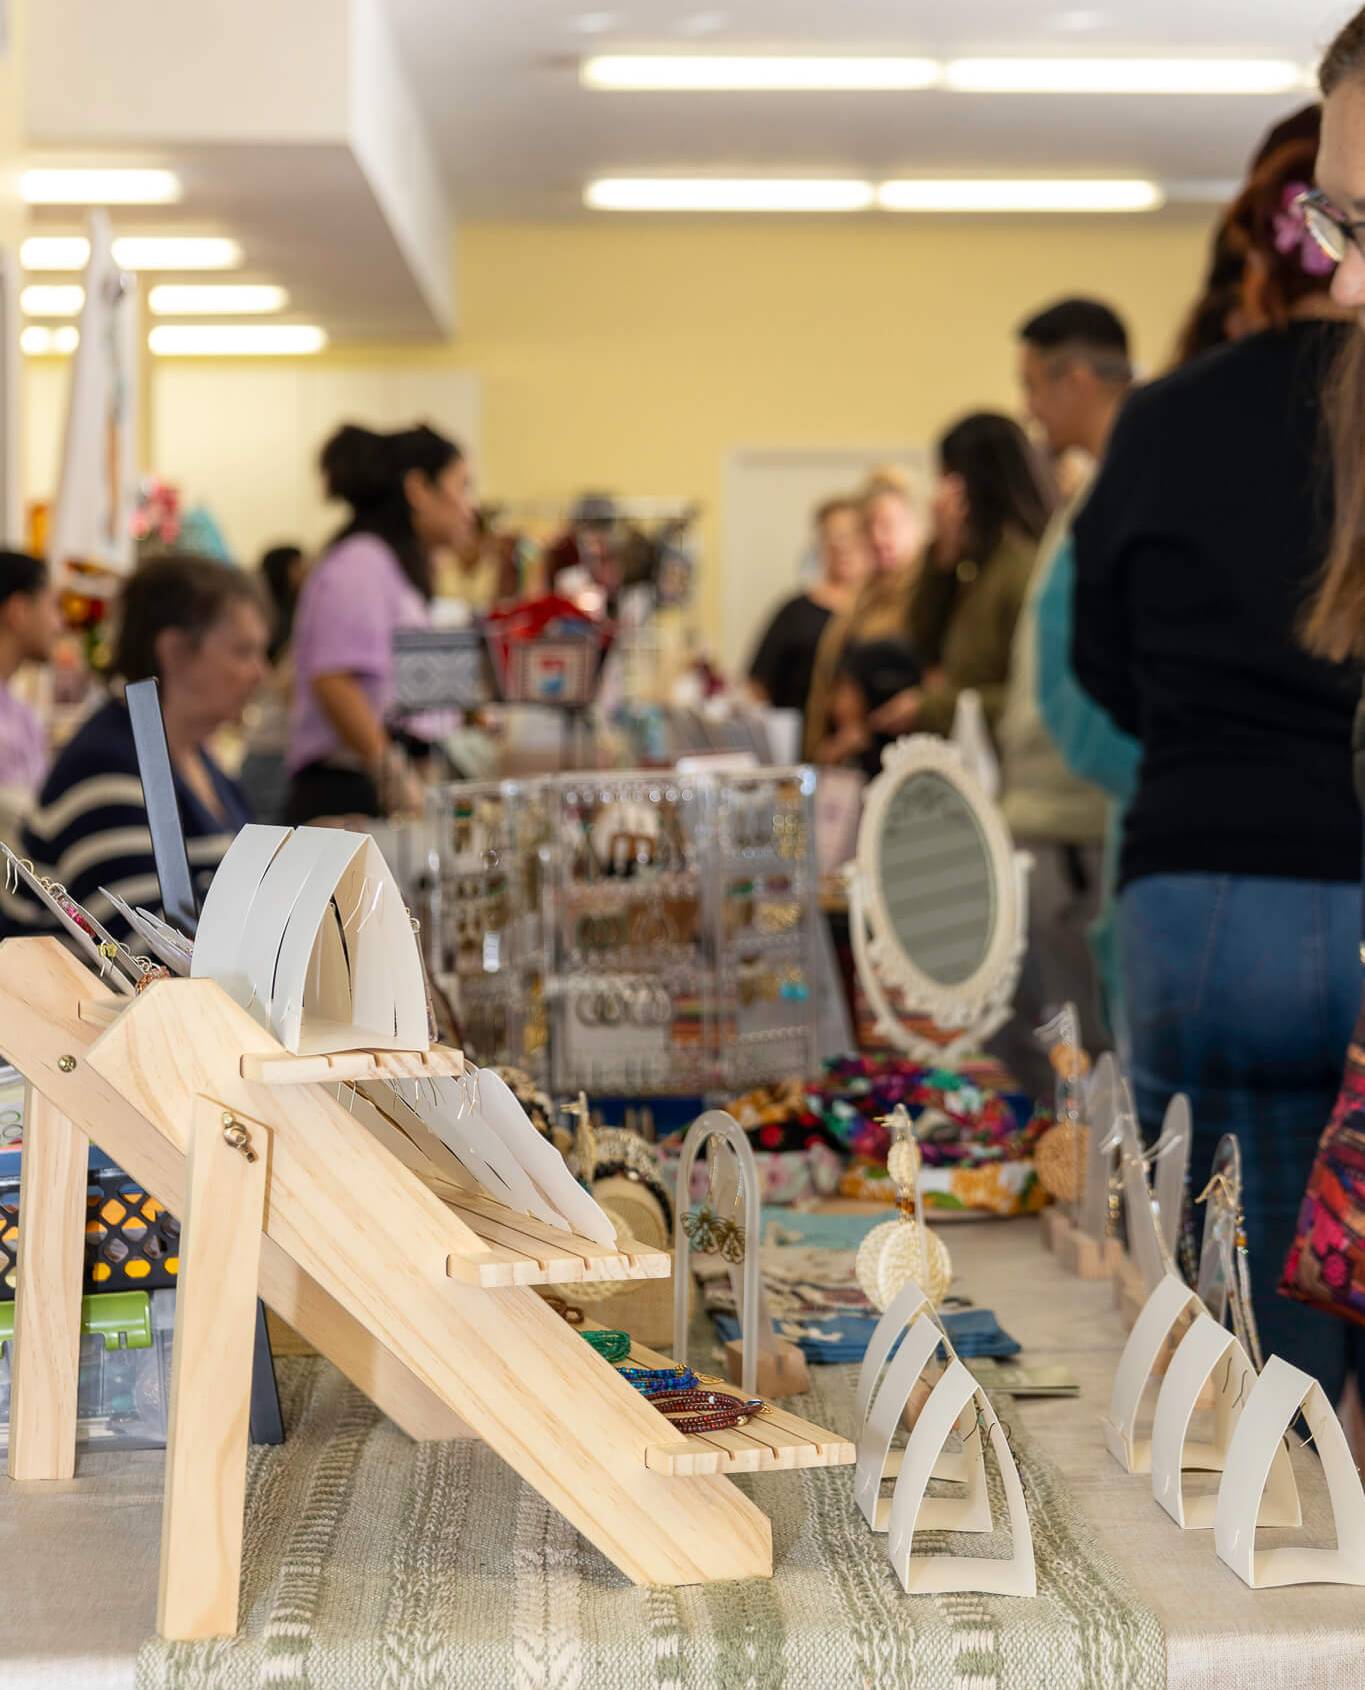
937	900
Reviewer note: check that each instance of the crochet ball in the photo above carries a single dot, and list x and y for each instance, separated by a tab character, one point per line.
1055	1159
890	1255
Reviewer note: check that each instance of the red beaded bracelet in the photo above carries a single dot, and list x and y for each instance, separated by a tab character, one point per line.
702	1411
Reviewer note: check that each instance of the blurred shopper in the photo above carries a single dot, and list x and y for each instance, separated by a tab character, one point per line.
782	667
894	535
198	626
1239	911
30	624
1218	315
1075	372
1335	630
409	495
992	505
264	773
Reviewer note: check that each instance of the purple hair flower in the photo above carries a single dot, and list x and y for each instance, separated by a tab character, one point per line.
1291	231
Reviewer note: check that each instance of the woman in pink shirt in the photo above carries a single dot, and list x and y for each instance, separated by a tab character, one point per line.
409	495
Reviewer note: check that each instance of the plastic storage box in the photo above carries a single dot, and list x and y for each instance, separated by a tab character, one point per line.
124	1389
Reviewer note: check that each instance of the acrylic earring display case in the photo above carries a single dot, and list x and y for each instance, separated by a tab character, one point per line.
646	933
478	889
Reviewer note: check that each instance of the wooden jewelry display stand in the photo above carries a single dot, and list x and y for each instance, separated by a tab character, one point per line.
366	1238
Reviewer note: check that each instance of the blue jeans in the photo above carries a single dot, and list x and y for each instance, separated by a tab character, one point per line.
1243	992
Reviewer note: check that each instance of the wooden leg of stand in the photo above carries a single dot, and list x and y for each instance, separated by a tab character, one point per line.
47	1300
215	1324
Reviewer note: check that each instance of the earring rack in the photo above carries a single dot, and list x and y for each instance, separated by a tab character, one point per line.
643	933
356	1236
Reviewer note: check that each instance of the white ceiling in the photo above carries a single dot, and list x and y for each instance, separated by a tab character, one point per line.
305	217
518	137
339	197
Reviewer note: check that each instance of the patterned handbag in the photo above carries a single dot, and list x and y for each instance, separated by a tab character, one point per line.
1326	1265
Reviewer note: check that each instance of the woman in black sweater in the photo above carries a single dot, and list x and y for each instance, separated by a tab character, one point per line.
1240	872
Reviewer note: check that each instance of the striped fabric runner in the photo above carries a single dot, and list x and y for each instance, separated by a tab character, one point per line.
373	1563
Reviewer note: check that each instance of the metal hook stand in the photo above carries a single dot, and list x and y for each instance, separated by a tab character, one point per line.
766	1365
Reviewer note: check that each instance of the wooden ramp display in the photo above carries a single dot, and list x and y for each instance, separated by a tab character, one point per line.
372	1245
773	1442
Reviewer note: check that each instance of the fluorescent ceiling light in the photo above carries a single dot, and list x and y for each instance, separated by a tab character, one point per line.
236	340
1125	76
99	187
40	342
54	252
1057	194
769	72
711	193
171	299
133	252
64	300
177	252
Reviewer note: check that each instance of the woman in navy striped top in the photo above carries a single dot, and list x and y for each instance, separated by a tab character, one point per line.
200	628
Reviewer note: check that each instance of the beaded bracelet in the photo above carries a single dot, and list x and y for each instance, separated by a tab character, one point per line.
706	1411
660	1381
614	1346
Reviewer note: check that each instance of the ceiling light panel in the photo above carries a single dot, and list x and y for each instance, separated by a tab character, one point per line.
41	253
52	300
1059	194
666	193
54	252
177	252
1125	76
172	299
99	187
756	73
40	342
236	340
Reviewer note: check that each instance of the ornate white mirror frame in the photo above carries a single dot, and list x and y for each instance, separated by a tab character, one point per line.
975	1006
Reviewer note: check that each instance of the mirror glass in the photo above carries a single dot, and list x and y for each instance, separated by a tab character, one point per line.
937	880
1221	1208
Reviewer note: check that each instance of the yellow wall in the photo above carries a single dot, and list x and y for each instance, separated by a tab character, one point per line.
635	355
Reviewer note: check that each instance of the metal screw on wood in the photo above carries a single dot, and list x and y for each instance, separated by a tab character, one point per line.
235	1134
66	1064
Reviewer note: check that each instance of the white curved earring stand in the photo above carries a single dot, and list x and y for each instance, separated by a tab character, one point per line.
901	1313
972	738
480	1152
1209	1354
1144	1237
497	1106
756	1331
308	931
1093	1208
877	1461
1277	1397
934	1574
1171	1159
1160	1315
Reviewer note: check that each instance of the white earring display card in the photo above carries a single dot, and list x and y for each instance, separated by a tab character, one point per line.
900	1313
1209	1355
1171	1160
1161	1314
930	1574
307	929
496	1104
969	1513
1278	1397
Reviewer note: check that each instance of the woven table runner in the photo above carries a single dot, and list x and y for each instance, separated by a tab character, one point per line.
373	1563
